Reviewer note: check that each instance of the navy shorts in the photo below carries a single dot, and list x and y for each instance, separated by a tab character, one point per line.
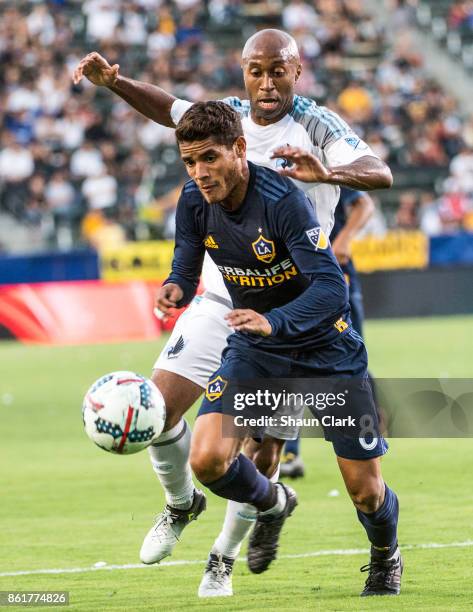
343	359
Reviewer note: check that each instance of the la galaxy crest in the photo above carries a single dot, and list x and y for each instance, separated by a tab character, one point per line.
215	388
317	238
264	249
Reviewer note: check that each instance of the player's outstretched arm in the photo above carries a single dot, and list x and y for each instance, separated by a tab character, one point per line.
150	100
365	173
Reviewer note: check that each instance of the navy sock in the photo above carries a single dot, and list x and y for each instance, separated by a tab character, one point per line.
243	483
292	446
381	526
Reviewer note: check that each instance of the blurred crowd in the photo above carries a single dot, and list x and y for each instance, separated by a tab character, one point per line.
460	15
78	165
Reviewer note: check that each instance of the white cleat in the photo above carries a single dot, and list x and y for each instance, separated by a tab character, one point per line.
217	579
164	535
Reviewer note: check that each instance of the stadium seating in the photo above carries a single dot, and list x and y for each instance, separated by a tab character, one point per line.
458	40
194	59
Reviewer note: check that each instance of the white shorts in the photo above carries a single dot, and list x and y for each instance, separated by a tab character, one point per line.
197	341
195	347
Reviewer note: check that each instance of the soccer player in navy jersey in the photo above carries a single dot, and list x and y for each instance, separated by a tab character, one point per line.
242	214
272	116
353	210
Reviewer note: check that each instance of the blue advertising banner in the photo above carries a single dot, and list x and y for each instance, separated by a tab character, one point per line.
49	267
454	249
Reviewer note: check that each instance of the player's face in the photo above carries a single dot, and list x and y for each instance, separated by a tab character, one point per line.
269	83
215	168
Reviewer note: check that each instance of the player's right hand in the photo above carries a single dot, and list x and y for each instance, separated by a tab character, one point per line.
305	166
167	297
97	70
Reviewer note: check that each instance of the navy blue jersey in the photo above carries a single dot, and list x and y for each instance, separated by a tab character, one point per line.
273	256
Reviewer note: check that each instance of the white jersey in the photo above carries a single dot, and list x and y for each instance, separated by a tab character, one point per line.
308	126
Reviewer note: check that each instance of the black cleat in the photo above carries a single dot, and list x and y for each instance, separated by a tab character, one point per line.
384	575
292	466
264	538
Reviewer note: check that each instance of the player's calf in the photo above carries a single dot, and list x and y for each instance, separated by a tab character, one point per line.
169	456
266	454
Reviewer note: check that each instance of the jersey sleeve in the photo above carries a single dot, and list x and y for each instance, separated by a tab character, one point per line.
326	295
189	248
328	131
178	108
242	107
346	150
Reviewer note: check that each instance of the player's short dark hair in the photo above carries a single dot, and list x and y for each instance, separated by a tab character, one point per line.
215	120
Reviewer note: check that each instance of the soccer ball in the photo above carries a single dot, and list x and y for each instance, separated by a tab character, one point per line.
123	412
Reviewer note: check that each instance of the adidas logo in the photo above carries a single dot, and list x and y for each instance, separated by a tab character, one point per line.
210	243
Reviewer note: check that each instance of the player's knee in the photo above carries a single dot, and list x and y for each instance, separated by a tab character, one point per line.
208	466
367	496
174	410
172	418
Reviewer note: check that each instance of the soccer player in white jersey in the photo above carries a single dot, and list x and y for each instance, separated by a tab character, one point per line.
272	117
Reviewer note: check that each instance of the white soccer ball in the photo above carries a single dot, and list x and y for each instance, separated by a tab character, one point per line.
123	412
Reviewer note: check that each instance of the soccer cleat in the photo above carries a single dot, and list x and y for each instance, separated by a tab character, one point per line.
384	576
217	578
164	535
291	466
264	538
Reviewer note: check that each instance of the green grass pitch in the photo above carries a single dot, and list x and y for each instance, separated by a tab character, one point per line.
67	504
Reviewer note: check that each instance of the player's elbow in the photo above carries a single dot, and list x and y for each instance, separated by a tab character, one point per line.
378	173
387	178
384	176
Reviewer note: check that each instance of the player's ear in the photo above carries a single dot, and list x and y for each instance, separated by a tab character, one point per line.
298	72
240	146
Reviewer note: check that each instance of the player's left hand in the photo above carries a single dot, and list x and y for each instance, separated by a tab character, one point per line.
305	166
97	70
249	321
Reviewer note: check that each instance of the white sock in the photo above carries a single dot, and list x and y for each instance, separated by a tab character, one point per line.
170	459
239	519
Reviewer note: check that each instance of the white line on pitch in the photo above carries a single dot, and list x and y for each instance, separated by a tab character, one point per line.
317	553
